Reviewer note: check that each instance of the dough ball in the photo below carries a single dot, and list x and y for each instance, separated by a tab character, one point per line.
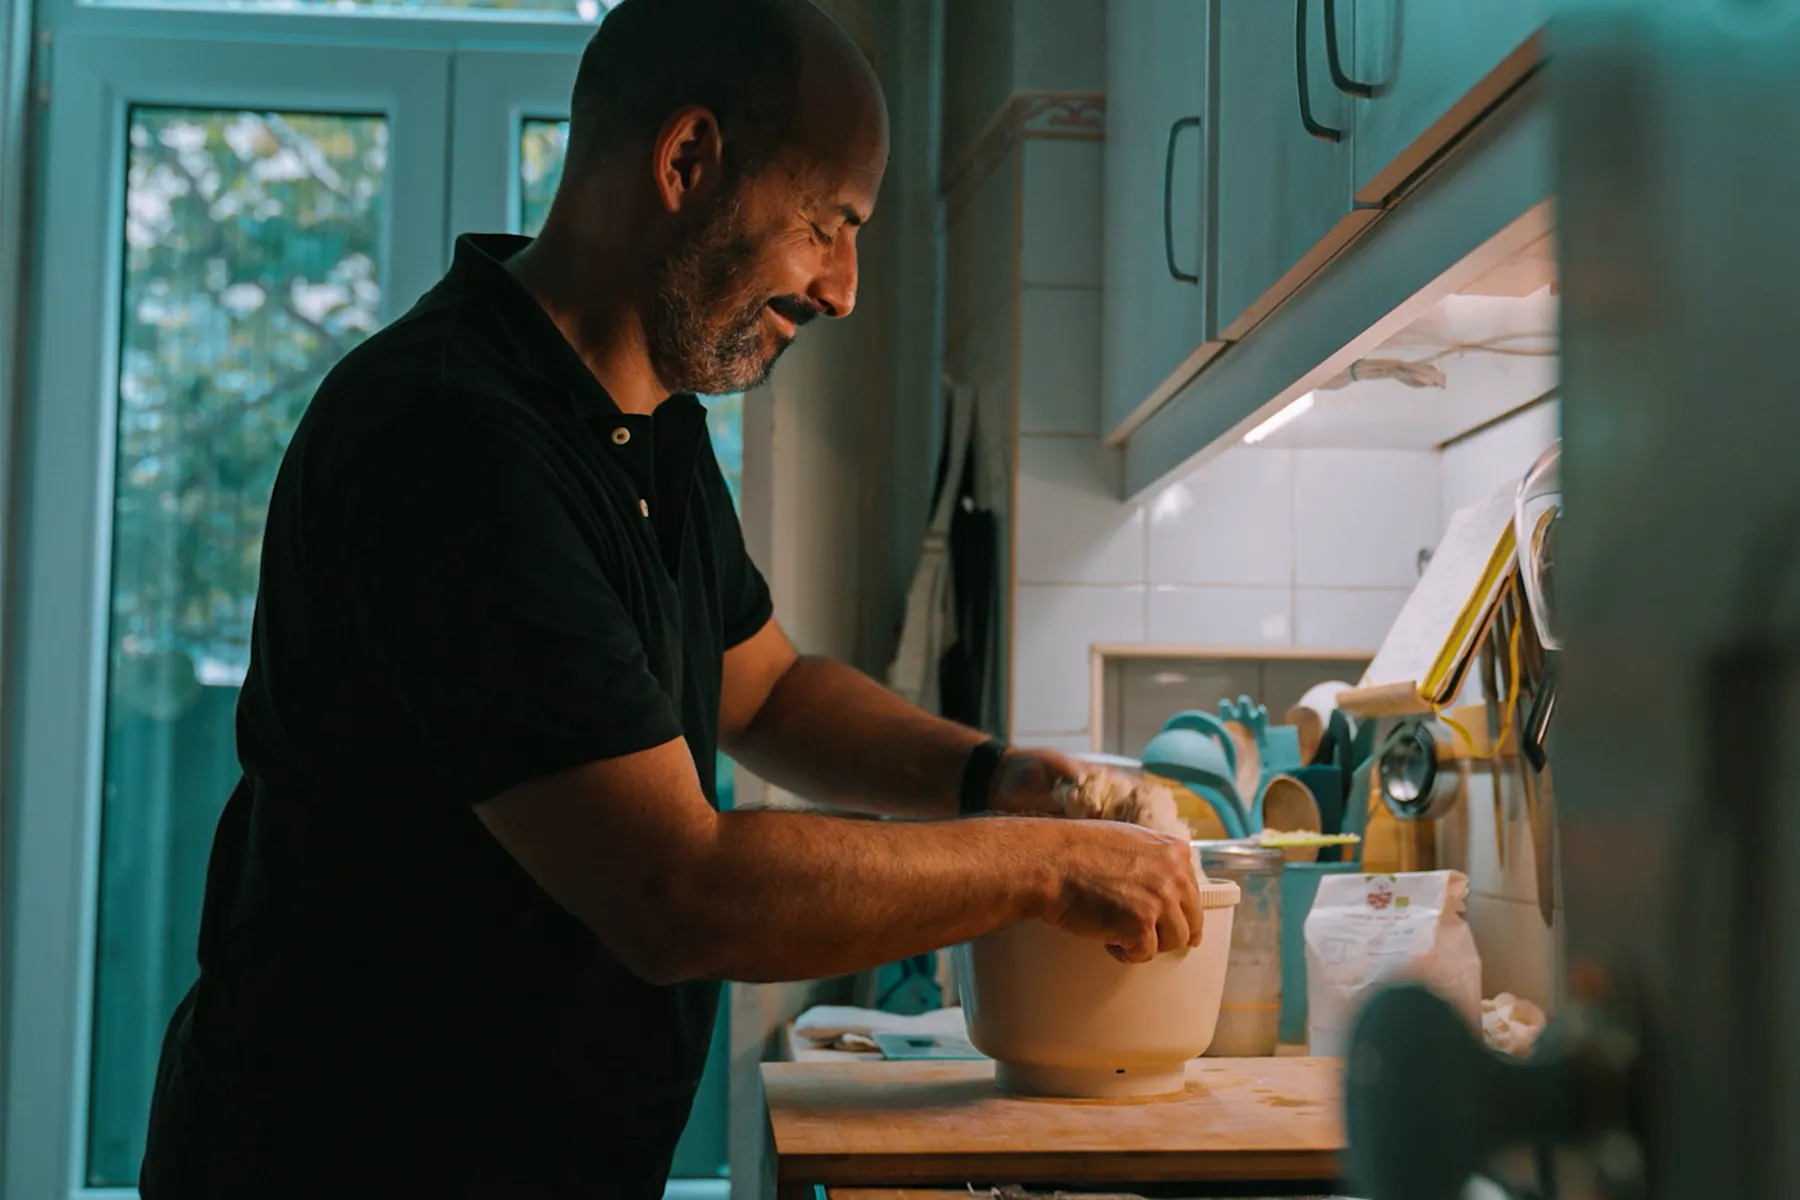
1113	796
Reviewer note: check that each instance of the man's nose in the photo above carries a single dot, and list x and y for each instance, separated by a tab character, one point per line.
835	291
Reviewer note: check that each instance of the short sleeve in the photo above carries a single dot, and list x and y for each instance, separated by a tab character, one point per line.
487	613
743	593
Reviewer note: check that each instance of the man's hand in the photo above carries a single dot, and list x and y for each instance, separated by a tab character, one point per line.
1134	889
1026	782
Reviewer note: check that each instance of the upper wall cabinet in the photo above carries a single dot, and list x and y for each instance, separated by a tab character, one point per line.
1424	71
1286	152
1297	125
1158	268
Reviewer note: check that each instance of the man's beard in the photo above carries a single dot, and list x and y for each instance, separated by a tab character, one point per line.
704	326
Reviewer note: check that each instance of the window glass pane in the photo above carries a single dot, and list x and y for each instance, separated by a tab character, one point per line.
252	243
542	145
725	420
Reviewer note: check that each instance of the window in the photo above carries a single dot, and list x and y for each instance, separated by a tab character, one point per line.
251	244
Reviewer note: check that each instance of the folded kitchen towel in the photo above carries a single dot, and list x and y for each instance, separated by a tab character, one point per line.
837	1027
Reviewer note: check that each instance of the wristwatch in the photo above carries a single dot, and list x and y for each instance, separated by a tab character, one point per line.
978	777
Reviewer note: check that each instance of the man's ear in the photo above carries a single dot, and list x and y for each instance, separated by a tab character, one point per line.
689	158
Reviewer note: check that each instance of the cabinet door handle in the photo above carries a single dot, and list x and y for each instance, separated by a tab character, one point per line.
1169	200
1324	133
1335	60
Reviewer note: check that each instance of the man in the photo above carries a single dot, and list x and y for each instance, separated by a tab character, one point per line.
467	909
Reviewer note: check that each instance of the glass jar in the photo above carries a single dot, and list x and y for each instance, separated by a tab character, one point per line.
1250	1013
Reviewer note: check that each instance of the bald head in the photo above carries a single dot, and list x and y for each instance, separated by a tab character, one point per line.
841	103
723	157
780	77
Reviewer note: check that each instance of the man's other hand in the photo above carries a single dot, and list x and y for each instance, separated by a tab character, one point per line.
1026	782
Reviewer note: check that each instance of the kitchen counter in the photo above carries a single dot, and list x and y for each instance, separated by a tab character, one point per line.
963	1193
924	1125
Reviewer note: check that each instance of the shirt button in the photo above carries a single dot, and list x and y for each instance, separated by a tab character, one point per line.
621	435
644	507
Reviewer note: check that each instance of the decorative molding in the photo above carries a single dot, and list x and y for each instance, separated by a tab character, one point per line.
1079	116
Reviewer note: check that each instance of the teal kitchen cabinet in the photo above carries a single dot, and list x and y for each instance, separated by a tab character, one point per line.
1251	142
1157	257
1426	70
1286	153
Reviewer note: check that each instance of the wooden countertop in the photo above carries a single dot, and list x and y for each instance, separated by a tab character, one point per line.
961	1193
910	1124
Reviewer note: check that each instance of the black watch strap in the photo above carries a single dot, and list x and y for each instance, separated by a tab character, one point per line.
978	777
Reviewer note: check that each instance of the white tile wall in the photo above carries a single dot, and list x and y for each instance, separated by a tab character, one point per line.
1054	630
1220	550
1345	618
1059	360
1060	213
1221	616
1362	516
1231	522
1473	469
1508	871
1519	953
1070	525
1066	743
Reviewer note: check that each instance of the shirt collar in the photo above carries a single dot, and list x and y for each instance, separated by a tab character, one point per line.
478	271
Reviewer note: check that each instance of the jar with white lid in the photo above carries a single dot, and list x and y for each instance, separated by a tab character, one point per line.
1249	1023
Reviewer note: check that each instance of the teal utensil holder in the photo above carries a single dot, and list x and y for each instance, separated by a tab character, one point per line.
1198	762
1278	745
1195	720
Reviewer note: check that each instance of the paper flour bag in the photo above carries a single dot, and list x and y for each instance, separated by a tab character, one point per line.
1367	930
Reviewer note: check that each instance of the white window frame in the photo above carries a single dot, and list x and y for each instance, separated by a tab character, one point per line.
64	575
442	29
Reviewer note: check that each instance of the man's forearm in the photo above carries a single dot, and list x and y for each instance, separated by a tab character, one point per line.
833	735
784	896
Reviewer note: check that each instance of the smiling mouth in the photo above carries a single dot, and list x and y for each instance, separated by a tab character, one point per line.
783	326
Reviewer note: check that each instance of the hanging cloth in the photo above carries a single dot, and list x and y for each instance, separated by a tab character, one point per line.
967	683
929	625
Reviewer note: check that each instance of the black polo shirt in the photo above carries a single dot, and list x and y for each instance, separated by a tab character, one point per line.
476	572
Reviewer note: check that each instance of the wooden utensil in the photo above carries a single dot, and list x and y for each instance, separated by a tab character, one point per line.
1202	820
1311	727
1288	805
1249	761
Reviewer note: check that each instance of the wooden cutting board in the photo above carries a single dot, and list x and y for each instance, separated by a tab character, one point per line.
942	1123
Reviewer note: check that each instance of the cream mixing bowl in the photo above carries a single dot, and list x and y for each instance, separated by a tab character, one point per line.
1060	1016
